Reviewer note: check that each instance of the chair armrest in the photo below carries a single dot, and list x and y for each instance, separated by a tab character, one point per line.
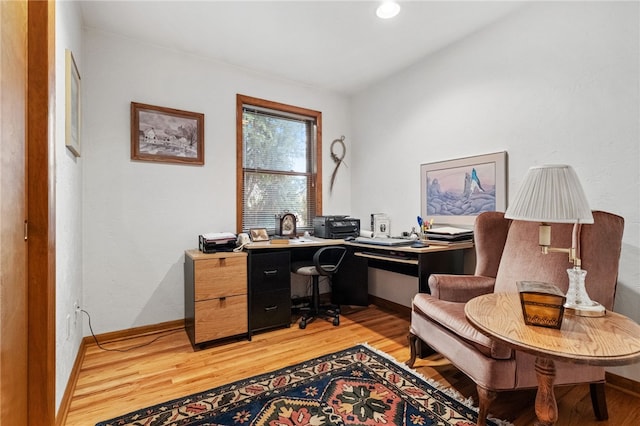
459	288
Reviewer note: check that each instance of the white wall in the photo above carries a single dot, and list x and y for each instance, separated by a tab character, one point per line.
552	83
139	217
68	184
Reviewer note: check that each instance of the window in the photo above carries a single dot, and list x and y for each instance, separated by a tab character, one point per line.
278	163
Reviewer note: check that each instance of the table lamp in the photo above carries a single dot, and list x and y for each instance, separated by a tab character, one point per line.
553	194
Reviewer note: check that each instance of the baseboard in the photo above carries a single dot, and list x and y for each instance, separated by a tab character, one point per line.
144	330
388	305
113	336
623	383
61	416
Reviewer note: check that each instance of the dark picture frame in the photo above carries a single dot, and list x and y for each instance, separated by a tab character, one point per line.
258	234
166	135
455	191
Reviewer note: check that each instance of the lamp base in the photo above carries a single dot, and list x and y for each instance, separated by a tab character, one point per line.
595	310
578	301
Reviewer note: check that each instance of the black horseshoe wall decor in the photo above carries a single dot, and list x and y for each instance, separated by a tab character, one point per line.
337	159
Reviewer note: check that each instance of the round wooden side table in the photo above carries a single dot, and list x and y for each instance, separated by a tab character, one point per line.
606	341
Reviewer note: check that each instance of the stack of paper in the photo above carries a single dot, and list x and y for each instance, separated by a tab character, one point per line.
450	233
219	237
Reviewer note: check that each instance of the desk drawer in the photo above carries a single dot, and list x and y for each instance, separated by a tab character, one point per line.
272	309
270	271
220	277
219	318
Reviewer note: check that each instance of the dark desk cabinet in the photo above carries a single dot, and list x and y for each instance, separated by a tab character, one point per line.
269	289
350	285
270	283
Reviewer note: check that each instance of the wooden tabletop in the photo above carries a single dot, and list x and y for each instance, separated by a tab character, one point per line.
295	242
610	340
431	247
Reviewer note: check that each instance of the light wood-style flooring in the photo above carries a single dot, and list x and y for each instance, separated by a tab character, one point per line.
113	383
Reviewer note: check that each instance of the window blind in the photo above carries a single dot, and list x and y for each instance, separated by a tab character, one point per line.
278	167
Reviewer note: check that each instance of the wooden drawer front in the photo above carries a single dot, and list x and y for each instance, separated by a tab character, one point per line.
270	271
220	277
271	309
218	318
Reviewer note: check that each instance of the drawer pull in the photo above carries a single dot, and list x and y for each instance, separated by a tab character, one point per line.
270	308
271	273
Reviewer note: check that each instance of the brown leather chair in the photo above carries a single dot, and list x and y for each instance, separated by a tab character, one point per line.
506	252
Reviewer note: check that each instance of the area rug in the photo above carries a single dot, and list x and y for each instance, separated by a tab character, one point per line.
356	386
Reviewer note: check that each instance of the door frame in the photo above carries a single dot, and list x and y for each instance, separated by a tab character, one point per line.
40	158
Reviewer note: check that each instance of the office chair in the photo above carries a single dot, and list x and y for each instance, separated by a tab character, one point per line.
326	262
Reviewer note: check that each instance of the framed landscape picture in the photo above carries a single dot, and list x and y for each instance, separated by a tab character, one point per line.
166	135
456	191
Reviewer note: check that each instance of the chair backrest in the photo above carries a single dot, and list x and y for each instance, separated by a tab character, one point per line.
327	260
520	257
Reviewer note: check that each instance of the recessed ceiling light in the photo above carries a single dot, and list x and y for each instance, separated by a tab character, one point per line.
388	9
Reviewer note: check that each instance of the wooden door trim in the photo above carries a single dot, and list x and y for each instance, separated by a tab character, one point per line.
13	204
40	156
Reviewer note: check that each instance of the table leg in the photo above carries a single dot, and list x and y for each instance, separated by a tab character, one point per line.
546	407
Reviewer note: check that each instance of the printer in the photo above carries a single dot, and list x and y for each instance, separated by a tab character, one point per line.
336	227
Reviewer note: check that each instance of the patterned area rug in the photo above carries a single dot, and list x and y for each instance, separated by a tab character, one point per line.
358	386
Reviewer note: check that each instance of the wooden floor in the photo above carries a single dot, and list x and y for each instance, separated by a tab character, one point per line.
114	383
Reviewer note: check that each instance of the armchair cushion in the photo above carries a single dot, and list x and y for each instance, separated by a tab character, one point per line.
461	289
450	315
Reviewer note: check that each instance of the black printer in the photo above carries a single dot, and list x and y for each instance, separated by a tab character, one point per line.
336	227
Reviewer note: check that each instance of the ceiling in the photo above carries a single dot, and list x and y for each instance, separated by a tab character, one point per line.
336	45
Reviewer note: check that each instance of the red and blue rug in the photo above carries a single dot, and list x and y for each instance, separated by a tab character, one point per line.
358	386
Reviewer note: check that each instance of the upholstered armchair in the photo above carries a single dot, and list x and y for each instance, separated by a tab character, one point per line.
506	252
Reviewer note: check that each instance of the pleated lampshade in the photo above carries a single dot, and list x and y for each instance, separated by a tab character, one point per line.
550	193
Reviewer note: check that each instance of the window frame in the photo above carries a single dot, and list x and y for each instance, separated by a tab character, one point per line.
241	102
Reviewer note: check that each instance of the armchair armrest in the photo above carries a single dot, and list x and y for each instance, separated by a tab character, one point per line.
459	288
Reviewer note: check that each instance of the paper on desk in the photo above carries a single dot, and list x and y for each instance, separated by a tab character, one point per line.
449	230
302	240
366	233
209	236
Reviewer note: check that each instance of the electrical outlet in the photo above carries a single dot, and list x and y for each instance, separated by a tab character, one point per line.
76	312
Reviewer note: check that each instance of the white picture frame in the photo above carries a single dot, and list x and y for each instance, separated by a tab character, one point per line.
455	192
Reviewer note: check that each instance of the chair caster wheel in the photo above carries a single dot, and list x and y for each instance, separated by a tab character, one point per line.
303	325
336	321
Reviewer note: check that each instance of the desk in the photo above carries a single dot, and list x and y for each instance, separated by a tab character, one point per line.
270	280
418	262
610	340
294	243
